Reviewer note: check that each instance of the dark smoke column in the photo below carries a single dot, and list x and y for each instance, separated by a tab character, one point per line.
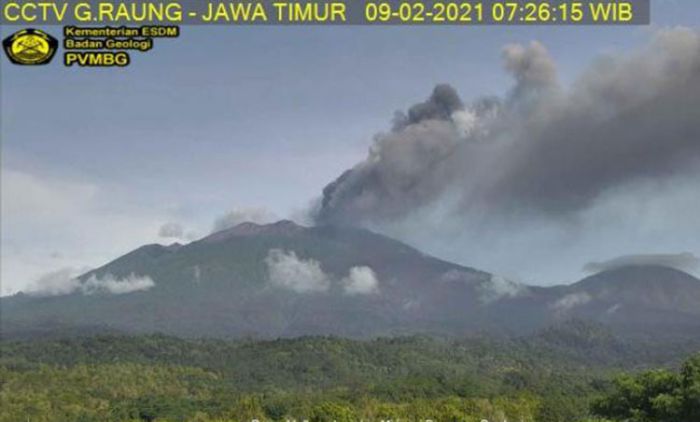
399	172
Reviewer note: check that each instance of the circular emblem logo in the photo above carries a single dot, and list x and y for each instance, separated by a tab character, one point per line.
30	47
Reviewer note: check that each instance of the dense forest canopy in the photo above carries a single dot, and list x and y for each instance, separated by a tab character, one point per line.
570	373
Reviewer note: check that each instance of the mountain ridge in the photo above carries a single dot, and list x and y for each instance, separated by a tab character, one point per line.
286	280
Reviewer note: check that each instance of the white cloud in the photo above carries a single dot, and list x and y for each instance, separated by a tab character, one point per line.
498	287
360	281
111	285
489	289
65	281
571	301
286	270
59	282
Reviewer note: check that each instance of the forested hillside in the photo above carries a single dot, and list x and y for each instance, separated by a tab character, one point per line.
559	375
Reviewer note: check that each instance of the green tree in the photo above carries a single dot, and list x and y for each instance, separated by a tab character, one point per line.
655	396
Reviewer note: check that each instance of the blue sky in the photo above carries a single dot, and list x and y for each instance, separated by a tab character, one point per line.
94	161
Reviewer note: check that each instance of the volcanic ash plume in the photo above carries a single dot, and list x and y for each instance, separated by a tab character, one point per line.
543	149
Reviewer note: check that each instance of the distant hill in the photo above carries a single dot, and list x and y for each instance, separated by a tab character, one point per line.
656	300
286	280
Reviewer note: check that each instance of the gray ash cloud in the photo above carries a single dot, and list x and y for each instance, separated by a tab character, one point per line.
541	150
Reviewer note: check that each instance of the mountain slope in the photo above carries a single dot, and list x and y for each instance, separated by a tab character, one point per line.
645	285
221	285
285	280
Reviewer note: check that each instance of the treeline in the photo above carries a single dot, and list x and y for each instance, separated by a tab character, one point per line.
561	376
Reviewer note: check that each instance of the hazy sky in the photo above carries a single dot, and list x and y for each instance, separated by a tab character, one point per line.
95	161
